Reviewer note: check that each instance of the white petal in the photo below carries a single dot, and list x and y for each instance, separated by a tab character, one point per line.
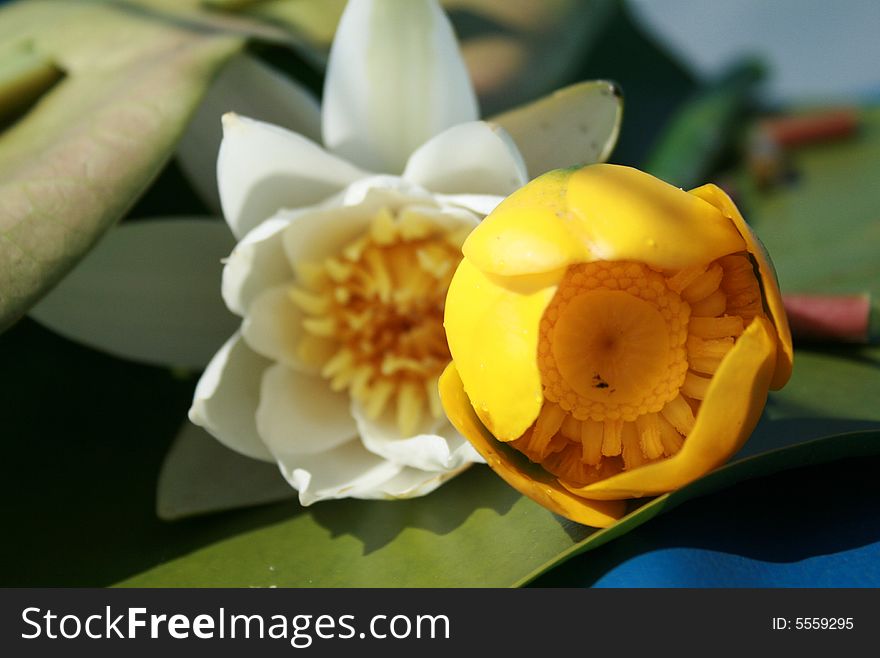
410	483
258	262
383	189
318	235
247	86
479	204
263	168
347	471
274	328
395	78
472	158
448	217
199	476
321	232
299	414
148	292
227	395
575	125
438	447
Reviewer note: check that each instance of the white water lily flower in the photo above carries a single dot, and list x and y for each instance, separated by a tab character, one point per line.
345	251
334	372
342	300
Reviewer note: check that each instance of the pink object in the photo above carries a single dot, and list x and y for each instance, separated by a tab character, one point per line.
796	130
836	318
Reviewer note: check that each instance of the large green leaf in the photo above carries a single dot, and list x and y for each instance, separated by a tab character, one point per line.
201	475
474	532
74	163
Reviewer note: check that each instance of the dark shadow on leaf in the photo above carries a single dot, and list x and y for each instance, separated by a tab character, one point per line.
576	531
85	435
376	523
796	428
784	518
863	354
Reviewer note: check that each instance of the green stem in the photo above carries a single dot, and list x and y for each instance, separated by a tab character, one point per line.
703	127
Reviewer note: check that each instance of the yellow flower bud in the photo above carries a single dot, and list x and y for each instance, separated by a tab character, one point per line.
612	337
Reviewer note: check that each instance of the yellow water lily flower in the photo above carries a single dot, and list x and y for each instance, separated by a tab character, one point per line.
612	337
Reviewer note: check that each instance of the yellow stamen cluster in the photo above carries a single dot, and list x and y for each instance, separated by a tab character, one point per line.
374	315
612	342
626	355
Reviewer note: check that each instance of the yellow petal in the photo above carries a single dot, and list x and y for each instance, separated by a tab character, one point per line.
600	212
527	233
492	329
733	404
769	281
626	214
527	478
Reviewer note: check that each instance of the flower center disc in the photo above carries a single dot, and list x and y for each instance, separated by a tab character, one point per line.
376	312
612	342
611	347
626	354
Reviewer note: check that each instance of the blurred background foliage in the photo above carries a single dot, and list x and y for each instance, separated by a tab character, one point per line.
85	434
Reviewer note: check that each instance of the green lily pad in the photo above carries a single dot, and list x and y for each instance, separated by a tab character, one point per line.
91	143
200	475
475	531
